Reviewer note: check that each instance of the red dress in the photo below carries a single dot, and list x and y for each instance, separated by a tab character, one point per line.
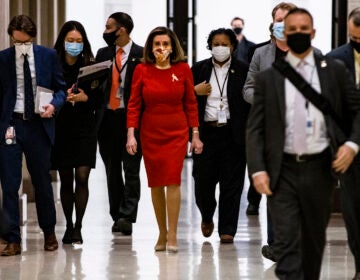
164	102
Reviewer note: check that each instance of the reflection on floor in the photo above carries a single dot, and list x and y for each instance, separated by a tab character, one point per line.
110	256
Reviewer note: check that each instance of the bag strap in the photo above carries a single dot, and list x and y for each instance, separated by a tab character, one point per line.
318	100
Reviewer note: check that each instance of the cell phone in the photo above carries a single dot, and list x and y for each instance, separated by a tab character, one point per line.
75	88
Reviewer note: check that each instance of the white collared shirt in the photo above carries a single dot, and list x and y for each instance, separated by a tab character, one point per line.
214	100
20	93
316	140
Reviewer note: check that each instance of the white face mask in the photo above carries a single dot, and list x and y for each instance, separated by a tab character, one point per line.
22	48
220	53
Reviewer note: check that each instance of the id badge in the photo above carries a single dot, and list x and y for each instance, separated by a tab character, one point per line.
309	125
221	116
10	138
121	96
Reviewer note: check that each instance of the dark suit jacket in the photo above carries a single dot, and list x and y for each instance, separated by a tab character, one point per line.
346	54
242	50
239	109
266	125
108	53
48	74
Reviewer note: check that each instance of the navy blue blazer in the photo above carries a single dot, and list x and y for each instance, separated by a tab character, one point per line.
346	54
49	74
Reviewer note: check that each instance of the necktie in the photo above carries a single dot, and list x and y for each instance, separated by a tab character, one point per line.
114	102
28	89
300	116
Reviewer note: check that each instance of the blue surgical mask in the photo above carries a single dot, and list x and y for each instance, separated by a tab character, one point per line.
278	30
74	49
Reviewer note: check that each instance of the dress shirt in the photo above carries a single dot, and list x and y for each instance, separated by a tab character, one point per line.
214	99
124	57
357	67
316	140
20	90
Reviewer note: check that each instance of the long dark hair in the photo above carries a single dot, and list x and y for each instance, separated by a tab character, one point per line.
87	55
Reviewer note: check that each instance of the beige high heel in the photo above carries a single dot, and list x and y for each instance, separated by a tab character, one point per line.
160	247
172	249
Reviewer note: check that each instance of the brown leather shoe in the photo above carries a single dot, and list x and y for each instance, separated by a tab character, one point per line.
11	249
51	243
207	228
226	238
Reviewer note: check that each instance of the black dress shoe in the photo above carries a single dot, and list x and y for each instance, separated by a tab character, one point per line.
357	276
252	210
125	227
76	236
268	252
67	239
115	228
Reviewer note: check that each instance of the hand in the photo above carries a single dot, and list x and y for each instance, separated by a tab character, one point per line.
203	88
196	145
131	144
344	157
262	183
49	111
76	97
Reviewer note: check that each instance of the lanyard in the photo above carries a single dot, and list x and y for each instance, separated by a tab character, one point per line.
221	89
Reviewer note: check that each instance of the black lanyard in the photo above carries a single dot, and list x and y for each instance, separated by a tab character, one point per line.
221	89
120	70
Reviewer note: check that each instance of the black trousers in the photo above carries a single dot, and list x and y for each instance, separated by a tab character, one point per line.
300	209
222	161
123	190
350	200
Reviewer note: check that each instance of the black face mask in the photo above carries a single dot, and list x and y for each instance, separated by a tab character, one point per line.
237	30
110	38
355	45
299	42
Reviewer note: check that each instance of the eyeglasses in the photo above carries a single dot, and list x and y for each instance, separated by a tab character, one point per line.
22	43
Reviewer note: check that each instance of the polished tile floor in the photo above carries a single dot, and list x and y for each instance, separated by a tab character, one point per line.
112	256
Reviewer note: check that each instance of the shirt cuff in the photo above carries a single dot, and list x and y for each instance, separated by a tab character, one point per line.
257	173
353	146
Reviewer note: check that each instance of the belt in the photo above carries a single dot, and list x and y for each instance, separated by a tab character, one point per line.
214	124
21	116
305	157
117	111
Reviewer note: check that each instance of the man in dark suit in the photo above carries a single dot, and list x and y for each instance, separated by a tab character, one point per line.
350	194
23	67
292	148
124	193
244	45
222	116
262	59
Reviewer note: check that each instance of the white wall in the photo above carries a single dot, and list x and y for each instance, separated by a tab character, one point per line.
212	14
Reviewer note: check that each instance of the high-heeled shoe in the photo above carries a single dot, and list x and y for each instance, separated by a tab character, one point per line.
172	249
160	247
76	236
67	239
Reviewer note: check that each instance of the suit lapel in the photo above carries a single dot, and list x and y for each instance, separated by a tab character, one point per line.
279	87
324	79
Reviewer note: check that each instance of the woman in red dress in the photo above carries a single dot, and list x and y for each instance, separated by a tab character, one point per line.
163	105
